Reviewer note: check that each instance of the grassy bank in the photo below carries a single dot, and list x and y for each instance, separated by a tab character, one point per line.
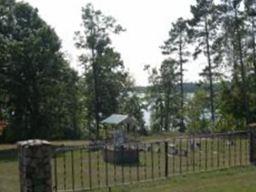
229	180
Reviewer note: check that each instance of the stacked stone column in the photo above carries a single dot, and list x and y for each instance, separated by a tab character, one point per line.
35	166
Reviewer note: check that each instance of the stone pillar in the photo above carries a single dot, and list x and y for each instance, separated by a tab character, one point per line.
35	166
252	128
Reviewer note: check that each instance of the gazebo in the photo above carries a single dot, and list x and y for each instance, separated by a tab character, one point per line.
117	151
119	120
119	125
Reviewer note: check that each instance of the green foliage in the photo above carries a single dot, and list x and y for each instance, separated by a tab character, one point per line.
133	105
231	104
204	29
227	123
163	96
197	118
176	47
252	96
42	97
35	78
106	81
225	33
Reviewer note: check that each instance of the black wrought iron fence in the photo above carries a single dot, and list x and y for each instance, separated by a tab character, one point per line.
86	167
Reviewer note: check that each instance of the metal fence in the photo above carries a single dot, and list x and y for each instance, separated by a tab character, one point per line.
83	167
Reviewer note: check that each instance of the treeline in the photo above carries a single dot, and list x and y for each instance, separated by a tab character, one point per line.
188	88
41	96
223	33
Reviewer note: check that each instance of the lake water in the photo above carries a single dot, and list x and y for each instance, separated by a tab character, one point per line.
147	113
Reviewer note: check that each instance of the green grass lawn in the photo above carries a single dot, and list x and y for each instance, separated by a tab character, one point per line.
229	180
9	174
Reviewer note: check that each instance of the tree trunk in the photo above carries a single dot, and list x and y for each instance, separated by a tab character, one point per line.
243	74
253	45
167	106
235	66
182	127
210	72
96	99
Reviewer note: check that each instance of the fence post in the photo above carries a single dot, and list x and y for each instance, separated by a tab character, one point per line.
166	159
35	166
252	129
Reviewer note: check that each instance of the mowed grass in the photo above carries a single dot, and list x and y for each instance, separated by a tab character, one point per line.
228	156
228	180
9	174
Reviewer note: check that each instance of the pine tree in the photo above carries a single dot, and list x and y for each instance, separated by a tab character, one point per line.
235	25
168	85
176	46
205	27
163	96
250	9
104	70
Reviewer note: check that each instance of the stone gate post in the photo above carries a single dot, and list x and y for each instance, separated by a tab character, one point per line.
35	166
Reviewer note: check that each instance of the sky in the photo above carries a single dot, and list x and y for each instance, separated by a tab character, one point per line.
147	23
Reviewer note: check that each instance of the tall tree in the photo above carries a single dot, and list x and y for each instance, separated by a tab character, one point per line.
104	70
176	46
250	9
133	105
250	17
234	24
169	86
155	99
239	30
31	70
195	113
163	96
205	27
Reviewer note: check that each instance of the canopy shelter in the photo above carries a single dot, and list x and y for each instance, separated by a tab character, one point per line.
119	122
118	119
117	150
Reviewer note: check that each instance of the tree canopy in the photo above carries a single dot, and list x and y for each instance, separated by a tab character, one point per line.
41	96
35	78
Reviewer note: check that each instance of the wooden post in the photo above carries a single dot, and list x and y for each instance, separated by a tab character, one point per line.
252	129
166	159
